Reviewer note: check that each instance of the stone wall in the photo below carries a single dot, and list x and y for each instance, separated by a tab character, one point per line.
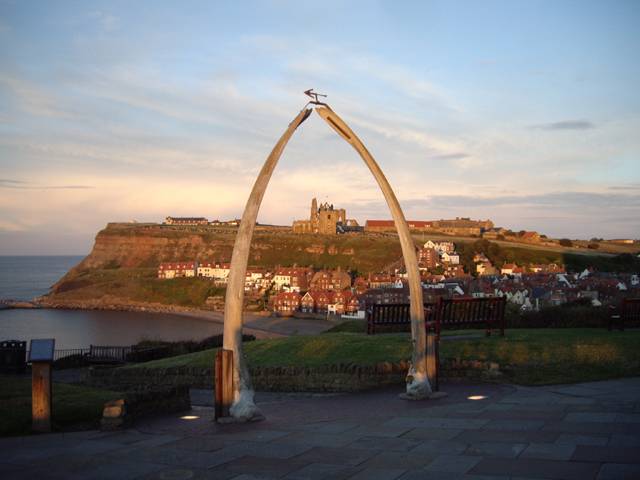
144	401
330	378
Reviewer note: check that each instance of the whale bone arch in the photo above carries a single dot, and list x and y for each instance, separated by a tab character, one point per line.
243	407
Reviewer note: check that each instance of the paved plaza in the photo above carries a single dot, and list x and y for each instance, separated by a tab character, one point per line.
584	431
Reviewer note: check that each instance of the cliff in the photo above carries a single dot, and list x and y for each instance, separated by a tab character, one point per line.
122	265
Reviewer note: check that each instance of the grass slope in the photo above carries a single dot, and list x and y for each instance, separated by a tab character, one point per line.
527	356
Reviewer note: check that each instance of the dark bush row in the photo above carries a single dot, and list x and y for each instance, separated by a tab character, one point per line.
570	315
152	350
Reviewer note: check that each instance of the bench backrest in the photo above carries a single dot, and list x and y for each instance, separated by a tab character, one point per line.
390	314
99	352
631	309
448	312
469	310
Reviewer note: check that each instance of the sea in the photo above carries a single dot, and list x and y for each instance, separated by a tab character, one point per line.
27	277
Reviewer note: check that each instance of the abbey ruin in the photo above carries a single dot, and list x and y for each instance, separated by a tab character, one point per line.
324	220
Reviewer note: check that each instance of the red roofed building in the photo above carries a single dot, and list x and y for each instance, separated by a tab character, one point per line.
389	225
285	303
428	258
177	270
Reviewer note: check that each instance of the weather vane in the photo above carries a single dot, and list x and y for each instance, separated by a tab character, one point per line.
314	95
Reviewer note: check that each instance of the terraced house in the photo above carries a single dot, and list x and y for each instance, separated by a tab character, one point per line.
177	270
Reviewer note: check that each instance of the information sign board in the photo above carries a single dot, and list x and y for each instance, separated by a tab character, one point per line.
42	350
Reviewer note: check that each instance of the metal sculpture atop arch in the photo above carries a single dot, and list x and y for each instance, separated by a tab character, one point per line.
243	406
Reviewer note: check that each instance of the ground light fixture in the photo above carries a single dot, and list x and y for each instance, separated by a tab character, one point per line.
476	397
189	417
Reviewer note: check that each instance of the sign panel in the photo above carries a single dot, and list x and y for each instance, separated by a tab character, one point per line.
42	350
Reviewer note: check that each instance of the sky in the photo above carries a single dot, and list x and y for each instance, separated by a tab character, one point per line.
527	113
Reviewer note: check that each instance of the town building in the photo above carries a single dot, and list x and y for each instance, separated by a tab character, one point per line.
292	278
285	303
218	271
186	221
390	226
177	270
451	258
381	280
441	247
486	268
330	280
428	258
530	237
459	226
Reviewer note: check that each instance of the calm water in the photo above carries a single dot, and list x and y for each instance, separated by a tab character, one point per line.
81	328
23	278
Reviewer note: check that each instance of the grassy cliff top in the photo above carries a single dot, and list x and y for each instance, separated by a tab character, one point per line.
526	356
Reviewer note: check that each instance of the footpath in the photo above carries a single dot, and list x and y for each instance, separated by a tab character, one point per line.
478	432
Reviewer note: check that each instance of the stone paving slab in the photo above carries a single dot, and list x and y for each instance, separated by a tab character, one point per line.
453	463
273	467
406	460
322	471
622	440
496	449
526	467
549	451
616	471
346	456
587	453
513	436
562	432
571	439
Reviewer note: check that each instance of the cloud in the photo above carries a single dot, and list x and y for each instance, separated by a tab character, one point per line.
22	185
631	187
449	156
581	200
566	125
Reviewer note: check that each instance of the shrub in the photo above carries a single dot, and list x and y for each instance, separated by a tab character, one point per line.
565	242
147	350
569	315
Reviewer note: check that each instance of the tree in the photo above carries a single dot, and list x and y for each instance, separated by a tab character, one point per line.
565	242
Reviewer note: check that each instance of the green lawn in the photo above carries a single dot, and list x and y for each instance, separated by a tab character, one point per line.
527	356
73	406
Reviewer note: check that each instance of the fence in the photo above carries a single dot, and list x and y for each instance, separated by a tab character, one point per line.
13	358
69	352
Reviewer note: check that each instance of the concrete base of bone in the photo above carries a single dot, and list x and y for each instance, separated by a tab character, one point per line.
418	387
243	409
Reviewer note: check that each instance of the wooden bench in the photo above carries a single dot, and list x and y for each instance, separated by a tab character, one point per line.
107	354
628	311
463	311
392	316
447	313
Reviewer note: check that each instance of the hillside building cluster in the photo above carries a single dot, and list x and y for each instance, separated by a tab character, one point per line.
304	290
199	221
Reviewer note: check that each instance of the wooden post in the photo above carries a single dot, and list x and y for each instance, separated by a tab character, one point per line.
432	361
217	385
223	383
41	395
41	356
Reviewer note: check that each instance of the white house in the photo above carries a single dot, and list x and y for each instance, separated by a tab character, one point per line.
450	257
